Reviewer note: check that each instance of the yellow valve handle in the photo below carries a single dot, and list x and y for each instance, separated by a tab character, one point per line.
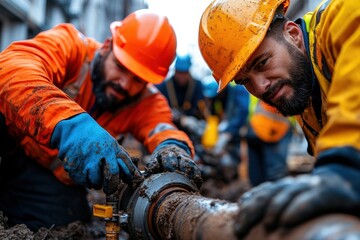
104	211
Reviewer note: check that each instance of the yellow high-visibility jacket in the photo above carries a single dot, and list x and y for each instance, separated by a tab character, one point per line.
333	31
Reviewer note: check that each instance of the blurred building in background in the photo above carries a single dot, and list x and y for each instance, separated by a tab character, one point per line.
300	7
22	19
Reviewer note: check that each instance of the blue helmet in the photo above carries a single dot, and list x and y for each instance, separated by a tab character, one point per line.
183	63
210	86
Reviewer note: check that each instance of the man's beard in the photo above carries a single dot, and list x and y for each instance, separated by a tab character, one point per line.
103	101
300	81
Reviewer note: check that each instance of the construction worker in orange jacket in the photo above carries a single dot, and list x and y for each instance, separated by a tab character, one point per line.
305	68
66	96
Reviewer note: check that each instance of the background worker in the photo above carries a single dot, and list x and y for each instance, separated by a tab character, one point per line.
230	109
184	93
268	138
268	133
63	94
305	68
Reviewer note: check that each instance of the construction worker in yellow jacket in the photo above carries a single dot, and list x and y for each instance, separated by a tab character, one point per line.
308	68
67	97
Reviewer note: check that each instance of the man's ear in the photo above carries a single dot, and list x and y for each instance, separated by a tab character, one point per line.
293	34
106	46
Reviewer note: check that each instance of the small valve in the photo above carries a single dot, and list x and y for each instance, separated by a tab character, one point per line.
103	211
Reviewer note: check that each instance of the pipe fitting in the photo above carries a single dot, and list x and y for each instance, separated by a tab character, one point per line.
142	205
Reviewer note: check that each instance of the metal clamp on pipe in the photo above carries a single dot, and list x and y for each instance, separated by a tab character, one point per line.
139	209
136	208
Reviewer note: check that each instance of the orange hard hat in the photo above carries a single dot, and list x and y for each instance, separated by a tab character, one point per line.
231	30
145	43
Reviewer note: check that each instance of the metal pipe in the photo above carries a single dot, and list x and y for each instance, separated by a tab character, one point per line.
185	217
168	206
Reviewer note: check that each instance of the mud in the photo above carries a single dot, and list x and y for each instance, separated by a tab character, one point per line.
195	217
94	230
75	230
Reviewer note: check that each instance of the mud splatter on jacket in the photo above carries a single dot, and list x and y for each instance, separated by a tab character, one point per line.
47	79
332	123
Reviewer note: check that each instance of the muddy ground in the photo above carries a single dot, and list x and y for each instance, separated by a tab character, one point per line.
74	231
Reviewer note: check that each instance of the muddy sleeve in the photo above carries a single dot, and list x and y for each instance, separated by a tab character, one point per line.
32	72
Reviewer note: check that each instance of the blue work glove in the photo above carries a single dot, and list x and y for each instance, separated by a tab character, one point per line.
91	156
171	156
332	188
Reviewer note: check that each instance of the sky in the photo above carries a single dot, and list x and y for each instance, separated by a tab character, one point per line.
184	15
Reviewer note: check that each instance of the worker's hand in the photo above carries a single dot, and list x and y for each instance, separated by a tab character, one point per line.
190	123
221	143
293	200
91	156
176	115
171	158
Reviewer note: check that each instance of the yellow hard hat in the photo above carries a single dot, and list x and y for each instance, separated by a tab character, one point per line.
231	30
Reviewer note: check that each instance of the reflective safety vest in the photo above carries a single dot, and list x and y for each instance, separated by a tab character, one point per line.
267	123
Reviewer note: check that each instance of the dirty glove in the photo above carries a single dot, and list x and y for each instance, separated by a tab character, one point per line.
91	156
290	201
169	157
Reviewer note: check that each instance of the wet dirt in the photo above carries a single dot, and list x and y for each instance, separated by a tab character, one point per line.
75	230
94	230
193	216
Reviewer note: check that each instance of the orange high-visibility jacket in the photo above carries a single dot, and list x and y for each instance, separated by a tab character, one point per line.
268	124
47	79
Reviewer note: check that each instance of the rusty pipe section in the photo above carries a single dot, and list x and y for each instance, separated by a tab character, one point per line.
168	206
143	204
184	216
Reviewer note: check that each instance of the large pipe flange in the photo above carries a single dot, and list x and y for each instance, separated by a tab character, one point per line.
148	196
